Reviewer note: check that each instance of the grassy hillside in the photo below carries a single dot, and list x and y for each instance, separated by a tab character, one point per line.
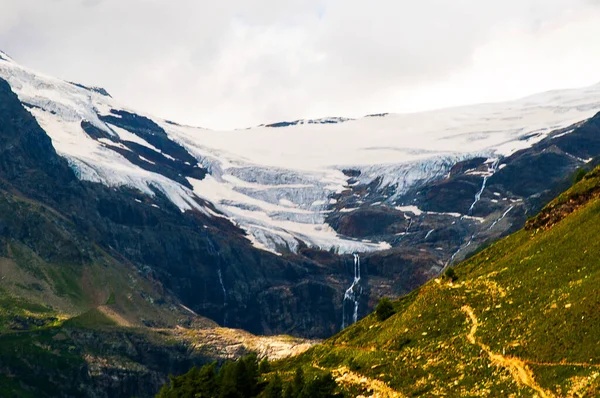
521	318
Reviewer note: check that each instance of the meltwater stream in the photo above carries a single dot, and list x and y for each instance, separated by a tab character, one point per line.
352	293
490	172
224	296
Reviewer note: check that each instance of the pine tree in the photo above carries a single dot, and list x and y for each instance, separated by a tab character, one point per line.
227	381
206	383
298	382
322	386
246	375
274	388
264	366
289	392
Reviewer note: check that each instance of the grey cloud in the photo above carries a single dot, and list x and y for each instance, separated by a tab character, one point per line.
239	63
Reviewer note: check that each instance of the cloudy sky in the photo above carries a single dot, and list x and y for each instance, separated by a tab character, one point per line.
238	63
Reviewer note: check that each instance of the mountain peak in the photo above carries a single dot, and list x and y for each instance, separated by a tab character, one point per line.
326	120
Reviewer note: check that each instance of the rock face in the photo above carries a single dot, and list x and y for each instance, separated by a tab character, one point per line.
256	246
441	222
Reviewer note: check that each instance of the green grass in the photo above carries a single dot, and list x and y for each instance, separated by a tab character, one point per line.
17	310
92	319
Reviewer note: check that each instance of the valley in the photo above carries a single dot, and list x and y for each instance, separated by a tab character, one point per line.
133	247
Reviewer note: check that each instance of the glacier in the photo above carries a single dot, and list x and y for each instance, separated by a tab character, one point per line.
277	181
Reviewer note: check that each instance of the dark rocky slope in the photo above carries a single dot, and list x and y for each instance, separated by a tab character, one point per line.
209	265
460	213
186	254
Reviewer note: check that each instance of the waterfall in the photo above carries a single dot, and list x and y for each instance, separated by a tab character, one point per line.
409	225
460	248
222	286
501	218
351	293
224	296
491	171
214	251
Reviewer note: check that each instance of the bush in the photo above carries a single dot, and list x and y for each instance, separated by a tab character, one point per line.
579	175
451	274
384	309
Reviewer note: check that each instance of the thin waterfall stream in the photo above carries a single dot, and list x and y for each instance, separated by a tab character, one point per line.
352	293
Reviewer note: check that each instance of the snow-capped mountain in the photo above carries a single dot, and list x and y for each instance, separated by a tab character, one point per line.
279	183
352	208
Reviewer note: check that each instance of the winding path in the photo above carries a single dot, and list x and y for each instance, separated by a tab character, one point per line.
517	368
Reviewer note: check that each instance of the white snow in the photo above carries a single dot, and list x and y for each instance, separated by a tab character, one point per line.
563	134
278	183
5	56
417	212
401	138
410	209
146	160
270	231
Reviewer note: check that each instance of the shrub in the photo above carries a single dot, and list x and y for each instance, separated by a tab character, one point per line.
384	309
579	175
451	274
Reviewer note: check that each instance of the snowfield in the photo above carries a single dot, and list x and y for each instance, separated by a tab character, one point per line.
277	182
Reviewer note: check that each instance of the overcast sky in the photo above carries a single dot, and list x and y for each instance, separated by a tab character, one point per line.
239	63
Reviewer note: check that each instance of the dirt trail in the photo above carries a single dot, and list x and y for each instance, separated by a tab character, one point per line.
574	364
517	368
376	388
